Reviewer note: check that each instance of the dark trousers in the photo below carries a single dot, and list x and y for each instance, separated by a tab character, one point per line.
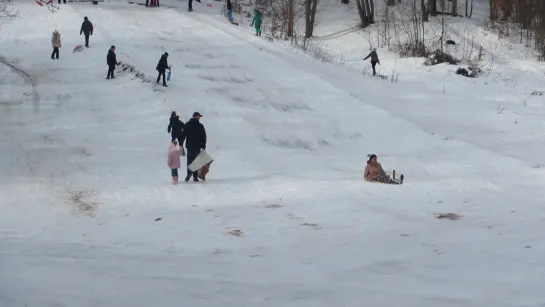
190	4
373	64
174	172
55	53
192	153
86	39
111	69
162	73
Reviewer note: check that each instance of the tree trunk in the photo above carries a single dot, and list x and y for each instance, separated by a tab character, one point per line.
454	8
362	14
424	10
390	2
369	12
372	17
291	18
310	16
307	18
433	7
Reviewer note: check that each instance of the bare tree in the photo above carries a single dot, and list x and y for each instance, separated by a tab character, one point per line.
310	16
366	11
7	13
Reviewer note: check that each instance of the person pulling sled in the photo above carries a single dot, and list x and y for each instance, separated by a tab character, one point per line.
375	173
374	59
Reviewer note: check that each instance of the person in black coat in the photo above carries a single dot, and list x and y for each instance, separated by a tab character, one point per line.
374	59
194	136
87	29
162	67
111	60
175	127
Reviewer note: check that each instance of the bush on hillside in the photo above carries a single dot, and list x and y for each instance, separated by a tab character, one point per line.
438	57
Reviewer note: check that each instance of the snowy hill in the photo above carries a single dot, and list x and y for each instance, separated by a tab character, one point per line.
89	217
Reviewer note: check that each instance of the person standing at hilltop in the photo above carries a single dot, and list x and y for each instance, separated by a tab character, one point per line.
256	22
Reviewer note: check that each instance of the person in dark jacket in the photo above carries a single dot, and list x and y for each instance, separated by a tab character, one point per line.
194	136
87	29
374	59
162	67
175	127
111	60
229	10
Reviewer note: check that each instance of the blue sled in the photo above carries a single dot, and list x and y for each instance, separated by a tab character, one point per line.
168	75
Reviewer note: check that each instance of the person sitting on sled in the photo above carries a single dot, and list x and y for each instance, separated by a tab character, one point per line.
375	172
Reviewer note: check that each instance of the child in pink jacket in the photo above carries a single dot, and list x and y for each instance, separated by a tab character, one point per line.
173	163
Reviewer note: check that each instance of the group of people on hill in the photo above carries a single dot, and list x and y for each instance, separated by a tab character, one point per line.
194	136
86	29
111	58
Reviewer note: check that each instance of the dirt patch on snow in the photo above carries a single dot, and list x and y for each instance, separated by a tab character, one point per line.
236	233
83	202
449	216
313	225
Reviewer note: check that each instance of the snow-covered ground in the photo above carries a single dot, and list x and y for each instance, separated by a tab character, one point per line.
285	218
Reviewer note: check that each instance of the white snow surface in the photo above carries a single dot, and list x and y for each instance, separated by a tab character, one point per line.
84	175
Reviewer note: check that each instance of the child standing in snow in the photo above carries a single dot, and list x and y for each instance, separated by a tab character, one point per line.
56	43
174	160
257	22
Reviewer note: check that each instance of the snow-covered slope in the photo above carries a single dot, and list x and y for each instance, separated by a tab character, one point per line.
89	217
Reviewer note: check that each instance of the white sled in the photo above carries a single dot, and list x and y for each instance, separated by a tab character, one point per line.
201	160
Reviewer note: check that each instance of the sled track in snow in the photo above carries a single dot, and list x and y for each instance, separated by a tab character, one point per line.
332	78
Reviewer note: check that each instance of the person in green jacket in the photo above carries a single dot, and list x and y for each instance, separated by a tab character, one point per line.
257	22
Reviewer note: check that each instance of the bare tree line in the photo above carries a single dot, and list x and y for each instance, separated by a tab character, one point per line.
522	18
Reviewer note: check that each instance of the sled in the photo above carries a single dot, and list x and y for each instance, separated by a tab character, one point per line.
201	174
234	23
78	48
49	4
201	160
391	179
168	75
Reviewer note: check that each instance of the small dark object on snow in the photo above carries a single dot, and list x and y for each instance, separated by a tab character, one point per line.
449	216
462	71
451	42
158	219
